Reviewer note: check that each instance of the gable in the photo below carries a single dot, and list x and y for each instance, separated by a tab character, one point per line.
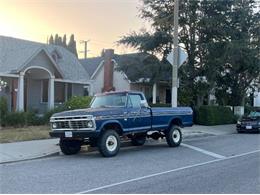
43	60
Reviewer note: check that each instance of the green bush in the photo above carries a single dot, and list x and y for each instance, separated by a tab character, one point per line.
48	114
16	119
213	115
33	119
3	109
78	102
160	105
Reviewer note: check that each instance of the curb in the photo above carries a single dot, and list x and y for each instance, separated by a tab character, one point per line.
32	158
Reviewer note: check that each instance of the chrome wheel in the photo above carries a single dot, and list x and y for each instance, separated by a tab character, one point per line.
176	136
111	143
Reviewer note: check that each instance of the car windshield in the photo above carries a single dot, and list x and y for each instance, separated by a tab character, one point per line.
254	114
111	100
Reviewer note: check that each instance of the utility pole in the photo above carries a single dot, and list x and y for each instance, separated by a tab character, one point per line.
86	47
176	55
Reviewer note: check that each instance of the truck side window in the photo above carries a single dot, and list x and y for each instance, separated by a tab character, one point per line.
134	101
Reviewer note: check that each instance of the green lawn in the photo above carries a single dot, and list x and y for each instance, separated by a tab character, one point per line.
10	134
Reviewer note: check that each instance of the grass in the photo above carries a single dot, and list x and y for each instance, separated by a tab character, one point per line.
11	134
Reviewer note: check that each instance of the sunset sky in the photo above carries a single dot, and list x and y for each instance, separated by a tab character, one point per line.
102	22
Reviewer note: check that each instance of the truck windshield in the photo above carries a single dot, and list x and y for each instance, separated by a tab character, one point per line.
113	100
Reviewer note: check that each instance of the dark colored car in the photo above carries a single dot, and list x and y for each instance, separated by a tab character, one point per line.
249	123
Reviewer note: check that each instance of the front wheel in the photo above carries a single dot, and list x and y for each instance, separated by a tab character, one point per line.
109	143
174	136
69	147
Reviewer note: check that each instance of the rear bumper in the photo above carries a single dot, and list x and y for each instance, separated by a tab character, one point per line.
75	134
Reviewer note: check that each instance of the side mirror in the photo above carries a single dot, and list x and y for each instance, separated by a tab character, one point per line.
144	104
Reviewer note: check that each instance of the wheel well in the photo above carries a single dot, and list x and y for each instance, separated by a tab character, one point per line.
176	121
114	126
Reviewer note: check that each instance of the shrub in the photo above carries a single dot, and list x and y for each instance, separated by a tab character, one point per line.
3	109
48	114
78	102
213	115
15	119
33	119
160	105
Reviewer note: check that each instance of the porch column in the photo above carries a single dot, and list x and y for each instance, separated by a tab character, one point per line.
51	93
20	101
154	93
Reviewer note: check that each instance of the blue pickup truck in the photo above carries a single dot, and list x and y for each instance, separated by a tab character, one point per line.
118	114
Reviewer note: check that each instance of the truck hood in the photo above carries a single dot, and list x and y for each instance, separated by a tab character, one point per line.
90	111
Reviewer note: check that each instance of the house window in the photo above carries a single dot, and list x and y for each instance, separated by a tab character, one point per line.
59	92
45	94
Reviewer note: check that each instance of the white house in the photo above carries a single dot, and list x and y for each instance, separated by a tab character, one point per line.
105	76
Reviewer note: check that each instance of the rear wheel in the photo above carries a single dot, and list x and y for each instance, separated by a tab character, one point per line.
109	143
138	140
70	147
174	136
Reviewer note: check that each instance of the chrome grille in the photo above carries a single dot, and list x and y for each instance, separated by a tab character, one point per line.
73	123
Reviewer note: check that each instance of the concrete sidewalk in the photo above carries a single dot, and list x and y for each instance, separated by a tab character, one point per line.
18	151
12	152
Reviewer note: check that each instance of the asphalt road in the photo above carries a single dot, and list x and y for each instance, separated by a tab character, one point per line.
215	164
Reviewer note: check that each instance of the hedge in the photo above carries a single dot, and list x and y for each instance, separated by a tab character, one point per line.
213	115
160	105
78	102
3	109
20	119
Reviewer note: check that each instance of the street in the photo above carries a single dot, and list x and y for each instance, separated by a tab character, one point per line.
212	164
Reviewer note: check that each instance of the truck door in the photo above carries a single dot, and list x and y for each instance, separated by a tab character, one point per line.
140	118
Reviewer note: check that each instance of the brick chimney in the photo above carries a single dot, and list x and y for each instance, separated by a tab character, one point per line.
108	71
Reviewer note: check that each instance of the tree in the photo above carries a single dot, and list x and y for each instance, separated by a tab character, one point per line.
240	70
64	41
206	31
58	40
51	41
72	45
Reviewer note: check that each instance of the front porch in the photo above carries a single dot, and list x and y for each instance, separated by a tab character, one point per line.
36	89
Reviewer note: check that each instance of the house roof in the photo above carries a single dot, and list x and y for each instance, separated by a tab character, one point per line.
14	53
138	67
91	64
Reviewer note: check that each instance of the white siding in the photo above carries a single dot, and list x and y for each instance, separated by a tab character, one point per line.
120	82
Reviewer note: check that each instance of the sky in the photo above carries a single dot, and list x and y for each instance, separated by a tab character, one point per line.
102	22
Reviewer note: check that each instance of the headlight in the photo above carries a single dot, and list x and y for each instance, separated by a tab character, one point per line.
54	125
239	122
90	124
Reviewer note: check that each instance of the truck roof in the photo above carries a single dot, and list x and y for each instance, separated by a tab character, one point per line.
117	92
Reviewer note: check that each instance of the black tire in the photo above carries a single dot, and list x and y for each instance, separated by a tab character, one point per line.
174	136
109	143
138	140
69	147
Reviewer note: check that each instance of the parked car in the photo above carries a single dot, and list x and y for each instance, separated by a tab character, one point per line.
116	114
249	123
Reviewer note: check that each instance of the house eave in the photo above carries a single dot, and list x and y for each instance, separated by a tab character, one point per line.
9	75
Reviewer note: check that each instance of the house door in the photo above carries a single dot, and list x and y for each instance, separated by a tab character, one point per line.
168	99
